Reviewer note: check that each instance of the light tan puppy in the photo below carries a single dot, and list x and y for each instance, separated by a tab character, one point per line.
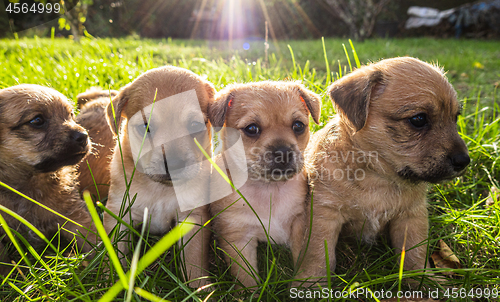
395	132
273	119
40	144
92	104
153	187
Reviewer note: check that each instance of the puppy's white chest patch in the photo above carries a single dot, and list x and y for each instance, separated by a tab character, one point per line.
276	205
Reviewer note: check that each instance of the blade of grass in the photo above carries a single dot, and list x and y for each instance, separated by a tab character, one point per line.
93	180
148	295
347	56
328	75
266	283
37	203
403	252
355	55
159	248
293	62
105	239
135	257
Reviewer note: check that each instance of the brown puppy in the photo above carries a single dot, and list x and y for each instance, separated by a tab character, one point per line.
39	145
95	167
273	121
395	132
168	160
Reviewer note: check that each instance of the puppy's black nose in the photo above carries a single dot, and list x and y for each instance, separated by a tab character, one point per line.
460	161
80	138
282	156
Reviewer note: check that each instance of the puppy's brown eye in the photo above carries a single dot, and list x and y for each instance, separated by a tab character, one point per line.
419	120
298	127
37	122
252	130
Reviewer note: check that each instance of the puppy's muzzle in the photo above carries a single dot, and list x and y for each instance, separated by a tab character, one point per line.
459	161
75	148
77	143
170	164
282	161
79	139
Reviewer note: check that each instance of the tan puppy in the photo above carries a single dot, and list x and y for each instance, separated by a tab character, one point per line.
39	145
395	132
92	104
273	119
168	156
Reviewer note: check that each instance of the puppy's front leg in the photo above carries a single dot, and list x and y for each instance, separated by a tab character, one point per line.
243	250
196	248
416	224
325	227
296	237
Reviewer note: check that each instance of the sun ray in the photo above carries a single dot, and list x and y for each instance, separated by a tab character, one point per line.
198	18
271	29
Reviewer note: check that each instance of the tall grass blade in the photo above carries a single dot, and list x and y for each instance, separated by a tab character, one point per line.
347	56
38	203
105	239
355	55
328	74
401	264
135	257
293	62
147	295
151	255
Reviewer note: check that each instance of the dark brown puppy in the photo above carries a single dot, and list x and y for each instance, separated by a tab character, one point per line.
95	167
39	145
396	132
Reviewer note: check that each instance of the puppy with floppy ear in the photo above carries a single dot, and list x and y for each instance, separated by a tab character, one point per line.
40	144
273	121
94	169
395	132
157	118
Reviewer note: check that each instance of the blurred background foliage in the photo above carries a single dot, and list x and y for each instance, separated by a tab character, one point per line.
211	19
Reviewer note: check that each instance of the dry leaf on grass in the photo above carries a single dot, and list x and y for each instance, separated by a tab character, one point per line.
445	258
494	195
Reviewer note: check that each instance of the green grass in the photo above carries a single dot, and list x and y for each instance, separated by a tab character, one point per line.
458	214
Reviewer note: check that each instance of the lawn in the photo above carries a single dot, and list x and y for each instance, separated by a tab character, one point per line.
458	212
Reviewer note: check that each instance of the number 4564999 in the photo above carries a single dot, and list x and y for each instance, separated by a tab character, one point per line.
36	8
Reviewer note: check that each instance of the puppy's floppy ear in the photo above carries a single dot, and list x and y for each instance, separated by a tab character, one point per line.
352	94
117	105
312	101
218	109
209	87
